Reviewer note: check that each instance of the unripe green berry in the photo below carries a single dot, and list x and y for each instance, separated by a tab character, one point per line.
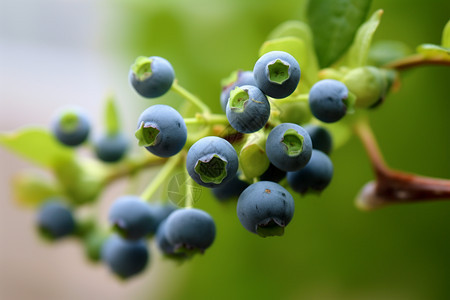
368	85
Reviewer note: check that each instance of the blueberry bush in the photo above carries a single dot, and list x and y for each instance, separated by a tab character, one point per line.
313	86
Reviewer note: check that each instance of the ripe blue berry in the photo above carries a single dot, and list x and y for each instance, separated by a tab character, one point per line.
164	245
151	76
273	174
265	208
160	212
248	109
315	176
229	190
212	161
190	230
111	148
132	217
289	147
328	100
55	220
277	74
241	78
71	126
161	130
320	137
125	258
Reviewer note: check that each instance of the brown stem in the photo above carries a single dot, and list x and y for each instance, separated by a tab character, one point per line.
392	186
415	61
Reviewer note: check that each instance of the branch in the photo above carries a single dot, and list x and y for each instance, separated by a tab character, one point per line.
415	61
392	186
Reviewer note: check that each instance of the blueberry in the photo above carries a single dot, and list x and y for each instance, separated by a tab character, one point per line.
320	137
212	161
248	109
71	126
161	130
151	76
190	230
239	78
132	217
111	148
289	147
164	245
328	100
273	174
161	211
277	74
229	190
265	208
315	176
125	258
55	220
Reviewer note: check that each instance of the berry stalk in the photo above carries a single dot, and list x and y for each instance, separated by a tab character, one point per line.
393	186
162	177
190	97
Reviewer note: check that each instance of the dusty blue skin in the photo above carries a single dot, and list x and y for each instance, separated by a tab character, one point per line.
164	245
315	176
230	190
190	230
170	125
265	208
277	151
159	81
273	174
160	212
253	114
71	126
243	78
132	217
111	148
218	158
125	258
327	100
55	220
320	137
277	79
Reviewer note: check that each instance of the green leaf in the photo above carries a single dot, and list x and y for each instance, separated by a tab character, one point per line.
446	35
31	189
37	145
359	50
297	48
334	24
112	123
384	51
434	51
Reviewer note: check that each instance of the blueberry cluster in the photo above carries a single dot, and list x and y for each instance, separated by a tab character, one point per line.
261	154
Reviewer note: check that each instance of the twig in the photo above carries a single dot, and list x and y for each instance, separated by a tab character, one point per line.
392	186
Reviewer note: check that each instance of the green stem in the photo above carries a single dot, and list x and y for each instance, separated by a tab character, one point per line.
162	176
190	97
131	167
210	119
293	99
189	199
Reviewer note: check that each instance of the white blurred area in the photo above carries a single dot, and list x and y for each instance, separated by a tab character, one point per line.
53	53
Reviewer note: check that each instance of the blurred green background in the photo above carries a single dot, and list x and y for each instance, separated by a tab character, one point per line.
330	250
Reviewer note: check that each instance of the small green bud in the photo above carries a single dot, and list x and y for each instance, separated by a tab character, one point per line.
368	85
294	112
